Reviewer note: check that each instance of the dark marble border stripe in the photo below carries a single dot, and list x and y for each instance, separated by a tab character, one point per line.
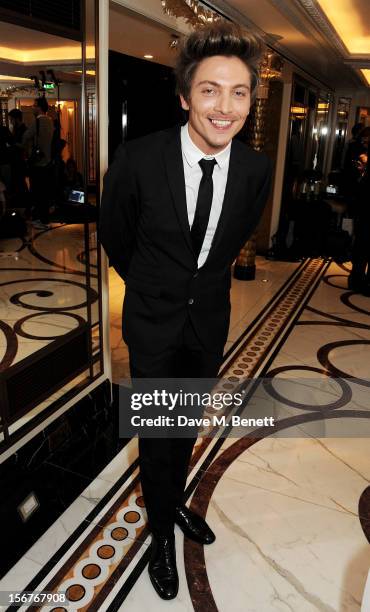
333	320
76	554
290	280
41	575
129	583
295	318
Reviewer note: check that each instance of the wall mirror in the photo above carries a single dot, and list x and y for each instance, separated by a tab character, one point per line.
50	311
341	132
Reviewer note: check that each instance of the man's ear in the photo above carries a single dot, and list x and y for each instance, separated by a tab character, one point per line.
184	104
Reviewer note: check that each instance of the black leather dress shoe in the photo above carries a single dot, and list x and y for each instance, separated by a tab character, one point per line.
162	566
193	526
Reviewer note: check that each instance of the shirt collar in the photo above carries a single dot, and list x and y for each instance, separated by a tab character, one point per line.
193	155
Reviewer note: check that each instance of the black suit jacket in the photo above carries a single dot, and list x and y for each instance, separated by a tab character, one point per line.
145	232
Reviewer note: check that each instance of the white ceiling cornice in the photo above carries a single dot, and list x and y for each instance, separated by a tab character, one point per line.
307	17
332	38
322	23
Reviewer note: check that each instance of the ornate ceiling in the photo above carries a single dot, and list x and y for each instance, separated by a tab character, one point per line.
329	38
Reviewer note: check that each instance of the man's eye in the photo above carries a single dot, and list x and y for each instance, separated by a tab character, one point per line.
208	90
240	94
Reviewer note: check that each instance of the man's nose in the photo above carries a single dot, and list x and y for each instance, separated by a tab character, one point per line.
224	103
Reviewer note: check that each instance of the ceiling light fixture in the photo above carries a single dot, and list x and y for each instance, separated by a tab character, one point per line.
89	72
5	77
148	56
349	21
366	73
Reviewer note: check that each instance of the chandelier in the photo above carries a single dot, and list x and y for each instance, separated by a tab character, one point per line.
192	11
12	90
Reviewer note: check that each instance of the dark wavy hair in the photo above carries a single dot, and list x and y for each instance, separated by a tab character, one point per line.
222	38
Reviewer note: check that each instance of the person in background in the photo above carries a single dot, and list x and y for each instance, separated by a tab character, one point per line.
40	134
353	147
359	278
19	189
17	126
2	199
5	156
72	177
59	145
350	170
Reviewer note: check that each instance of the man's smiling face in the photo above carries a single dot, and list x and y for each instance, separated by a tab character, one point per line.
219	102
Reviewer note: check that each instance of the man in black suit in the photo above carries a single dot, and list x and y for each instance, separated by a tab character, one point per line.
177	206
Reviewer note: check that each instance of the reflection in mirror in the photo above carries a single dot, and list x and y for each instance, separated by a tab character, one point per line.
304	180
341	131
363	115
49	306
320	132
91	180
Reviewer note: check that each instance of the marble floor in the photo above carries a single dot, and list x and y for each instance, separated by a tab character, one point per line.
43	296
55	257
290	505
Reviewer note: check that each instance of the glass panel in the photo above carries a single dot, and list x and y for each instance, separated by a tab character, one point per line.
320	133
304	179
93	190
341	128
49	290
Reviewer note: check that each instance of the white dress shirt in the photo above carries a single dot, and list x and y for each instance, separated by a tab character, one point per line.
191	155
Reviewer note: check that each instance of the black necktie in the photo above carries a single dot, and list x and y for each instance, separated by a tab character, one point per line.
204	204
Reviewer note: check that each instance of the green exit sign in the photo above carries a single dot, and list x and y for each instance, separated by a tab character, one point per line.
49	86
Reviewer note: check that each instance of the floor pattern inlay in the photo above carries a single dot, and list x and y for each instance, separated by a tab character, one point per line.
103	568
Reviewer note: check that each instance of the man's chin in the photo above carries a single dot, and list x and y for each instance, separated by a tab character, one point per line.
220	142
222	138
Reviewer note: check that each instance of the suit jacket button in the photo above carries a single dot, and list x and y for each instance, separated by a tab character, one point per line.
195	275
191	301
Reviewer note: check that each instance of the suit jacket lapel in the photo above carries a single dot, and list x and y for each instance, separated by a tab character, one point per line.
234	178
175	175
176	180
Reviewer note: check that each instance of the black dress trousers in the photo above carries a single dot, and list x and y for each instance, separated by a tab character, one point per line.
164	462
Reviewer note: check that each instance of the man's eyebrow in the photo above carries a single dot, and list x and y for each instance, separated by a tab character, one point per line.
206	82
